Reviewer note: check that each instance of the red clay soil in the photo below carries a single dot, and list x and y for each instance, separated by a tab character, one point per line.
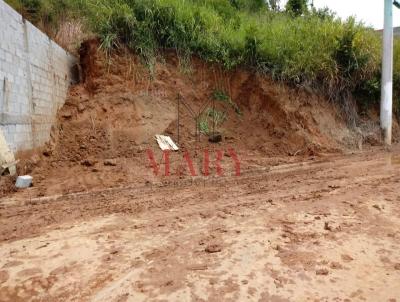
7	185
109	121
322	229
326	231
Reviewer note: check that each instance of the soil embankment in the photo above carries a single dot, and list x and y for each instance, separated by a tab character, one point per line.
109	121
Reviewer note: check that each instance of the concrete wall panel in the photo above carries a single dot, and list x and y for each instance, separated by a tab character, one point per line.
35	74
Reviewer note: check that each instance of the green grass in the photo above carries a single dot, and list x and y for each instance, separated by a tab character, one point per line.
221	96
337	58
211	118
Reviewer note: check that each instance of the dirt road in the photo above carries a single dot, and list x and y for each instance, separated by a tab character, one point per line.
314	231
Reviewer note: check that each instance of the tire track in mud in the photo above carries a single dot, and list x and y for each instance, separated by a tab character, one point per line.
268	230
21	218
246	175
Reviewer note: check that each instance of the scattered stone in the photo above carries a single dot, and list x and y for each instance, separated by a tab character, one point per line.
277	247
47	152
347	258
336	265
270	201
147	116
43	246
169	283
213	248
110	162
322	272
198	267
88	162
397	266
215	138
372	138
24	182
67	114
327	227
81	107
377	207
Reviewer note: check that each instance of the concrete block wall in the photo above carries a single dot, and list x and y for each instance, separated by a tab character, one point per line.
35	74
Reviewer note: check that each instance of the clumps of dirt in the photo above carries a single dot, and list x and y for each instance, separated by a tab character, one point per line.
114	113
90	69
213	248
28	161
7	185
322	272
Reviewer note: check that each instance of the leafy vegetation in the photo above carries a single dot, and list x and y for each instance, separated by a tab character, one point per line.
302	46
212	118
221	96
297	7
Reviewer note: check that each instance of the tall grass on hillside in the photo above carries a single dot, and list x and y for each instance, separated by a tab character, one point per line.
338	58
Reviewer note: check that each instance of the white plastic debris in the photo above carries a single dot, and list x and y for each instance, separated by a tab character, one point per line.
166	143
24	182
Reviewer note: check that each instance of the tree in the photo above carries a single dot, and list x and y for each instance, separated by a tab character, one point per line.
323	13
256	5
250	5
297	7
274	5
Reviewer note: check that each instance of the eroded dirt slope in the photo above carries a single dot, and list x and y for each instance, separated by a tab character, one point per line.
109	121
302	221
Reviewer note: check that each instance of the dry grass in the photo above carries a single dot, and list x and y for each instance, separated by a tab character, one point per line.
70	34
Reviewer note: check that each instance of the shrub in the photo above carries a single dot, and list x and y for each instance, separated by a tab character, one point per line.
297	7
337	57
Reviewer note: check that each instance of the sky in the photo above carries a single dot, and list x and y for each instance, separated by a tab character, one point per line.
368	11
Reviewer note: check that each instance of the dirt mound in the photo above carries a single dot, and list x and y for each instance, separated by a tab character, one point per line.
91	68
7	185
120	105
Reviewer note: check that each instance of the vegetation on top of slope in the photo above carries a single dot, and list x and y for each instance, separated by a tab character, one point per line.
297	7
312	47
